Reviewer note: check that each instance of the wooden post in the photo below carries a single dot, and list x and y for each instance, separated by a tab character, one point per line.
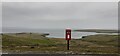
30	34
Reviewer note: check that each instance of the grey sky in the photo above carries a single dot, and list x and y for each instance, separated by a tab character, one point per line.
60	0
0	13
77	15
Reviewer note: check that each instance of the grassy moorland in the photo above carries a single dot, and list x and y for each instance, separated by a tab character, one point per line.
39	44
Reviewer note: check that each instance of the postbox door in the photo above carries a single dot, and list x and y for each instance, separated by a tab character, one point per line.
68	34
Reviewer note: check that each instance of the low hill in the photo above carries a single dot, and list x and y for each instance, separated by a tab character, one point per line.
27	35
101	39
8	40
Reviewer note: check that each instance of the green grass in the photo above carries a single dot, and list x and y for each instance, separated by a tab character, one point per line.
94	44
21	41
103	39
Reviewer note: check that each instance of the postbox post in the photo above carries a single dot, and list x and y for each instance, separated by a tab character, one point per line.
67	44
68	37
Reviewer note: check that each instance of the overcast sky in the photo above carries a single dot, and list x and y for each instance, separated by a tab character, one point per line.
60	15
60	0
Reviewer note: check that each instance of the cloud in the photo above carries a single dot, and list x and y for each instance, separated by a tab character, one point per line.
59	0
60	14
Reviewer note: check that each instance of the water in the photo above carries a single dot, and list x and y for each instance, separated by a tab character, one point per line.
56	33
60	33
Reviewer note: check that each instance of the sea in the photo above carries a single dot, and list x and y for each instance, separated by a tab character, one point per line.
54	33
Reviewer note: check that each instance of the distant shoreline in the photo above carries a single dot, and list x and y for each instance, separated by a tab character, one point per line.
97	30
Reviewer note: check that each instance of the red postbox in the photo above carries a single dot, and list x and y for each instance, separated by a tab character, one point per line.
68	34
